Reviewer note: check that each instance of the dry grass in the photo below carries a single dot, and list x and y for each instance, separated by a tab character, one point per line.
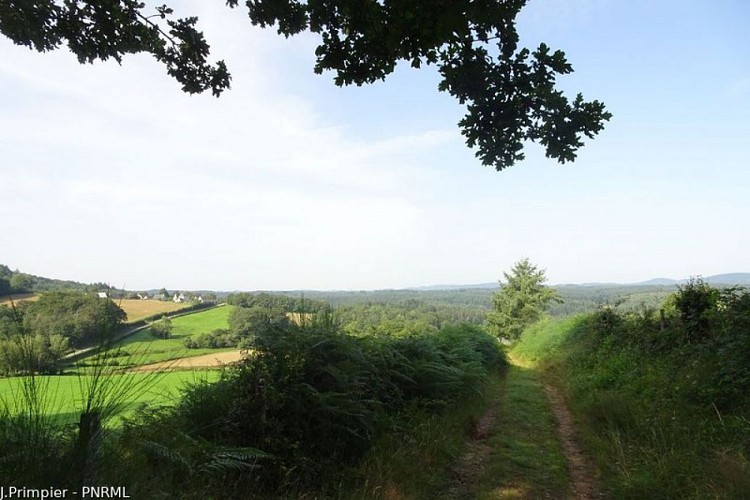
5	301
300	318
139	309
213	360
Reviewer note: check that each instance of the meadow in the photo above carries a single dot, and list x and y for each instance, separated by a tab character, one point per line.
64	396
143	347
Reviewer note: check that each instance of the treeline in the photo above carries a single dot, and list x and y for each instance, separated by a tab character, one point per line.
256	313
276	301
35	335
402	312
472	297
663	393
406	316
17	282
576	299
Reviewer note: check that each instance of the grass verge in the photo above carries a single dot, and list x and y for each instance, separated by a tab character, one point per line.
637	412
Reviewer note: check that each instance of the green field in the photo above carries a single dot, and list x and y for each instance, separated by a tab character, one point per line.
143	348
63	395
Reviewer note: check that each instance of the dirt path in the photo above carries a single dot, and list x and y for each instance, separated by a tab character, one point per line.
525	445
205	361
470	466
584	480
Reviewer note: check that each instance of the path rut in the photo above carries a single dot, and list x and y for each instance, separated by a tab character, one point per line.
584	477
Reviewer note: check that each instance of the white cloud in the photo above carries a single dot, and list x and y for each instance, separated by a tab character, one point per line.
113	154
113	174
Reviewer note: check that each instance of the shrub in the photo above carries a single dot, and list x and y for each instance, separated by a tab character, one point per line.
161	329
317	399
696	302
215	339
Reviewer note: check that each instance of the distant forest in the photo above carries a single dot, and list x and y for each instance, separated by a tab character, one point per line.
17	282
576	298
469	303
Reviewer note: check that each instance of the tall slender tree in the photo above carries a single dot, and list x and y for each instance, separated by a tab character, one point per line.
521	301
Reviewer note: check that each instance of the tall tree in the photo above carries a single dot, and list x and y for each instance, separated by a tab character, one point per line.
509	91
521	301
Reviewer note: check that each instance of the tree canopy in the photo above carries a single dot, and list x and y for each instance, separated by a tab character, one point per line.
34	336
509	91
85	319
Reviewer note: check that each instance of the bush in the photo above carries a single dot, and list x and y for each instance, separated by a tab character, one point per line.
696	302
215	339
161	329
317	399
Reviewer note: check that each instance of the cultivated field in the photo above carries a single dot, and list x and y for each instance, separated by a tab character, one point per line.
6	299
139	309
215	359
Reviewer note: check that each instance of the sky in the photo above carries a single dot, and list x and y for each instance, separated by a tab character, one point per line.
111	174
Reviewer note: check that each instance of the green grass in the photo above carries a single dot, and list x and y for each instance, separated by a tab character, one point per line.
202	322
144	348
637	413
63	395
415	463
543	339
526	460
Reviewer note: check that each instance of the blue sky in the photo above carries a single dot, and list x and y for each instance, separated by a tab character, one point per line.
111	174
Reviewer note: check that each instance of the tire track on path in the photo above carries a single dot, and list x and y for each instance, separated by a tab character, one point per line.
584	478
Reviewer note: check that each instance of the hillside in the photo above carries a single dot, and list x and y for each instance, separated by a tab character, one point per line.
18	282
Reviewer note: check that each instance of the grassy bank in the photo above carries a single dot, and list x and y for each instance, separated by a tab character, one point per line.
652	406
416	461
